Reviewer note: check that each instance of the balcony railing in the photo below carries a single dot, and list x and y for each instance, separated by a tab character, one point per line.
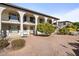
14	20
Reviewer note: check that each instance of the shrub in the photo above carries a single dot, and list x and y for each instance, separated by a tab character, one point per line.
68	29
18	43
3	43
63	31
45	28
71	28
76	24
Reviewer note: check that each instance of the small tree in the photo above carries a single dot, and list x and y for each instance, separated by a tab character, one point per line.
71	28
45	28
3	43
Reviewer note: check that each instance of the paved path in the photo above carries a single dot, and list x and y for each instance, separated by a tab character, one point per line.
46	46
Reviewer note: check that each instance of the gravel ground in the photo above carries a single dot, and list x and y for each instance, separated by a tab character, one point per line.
54	45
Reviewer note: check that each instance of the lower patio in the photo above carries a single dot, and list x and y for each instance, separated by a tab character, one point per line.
8	29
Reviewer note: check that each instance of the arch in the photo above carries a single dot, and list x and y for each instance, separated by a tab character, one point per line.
49	20
29	17
9	13
41	19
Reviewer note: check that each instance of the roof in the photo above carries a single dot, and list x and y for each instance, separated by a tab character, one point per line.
65	21
21	8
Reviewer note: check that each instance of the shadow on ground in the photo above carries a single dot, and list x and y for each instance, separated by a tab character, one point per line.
68	53
76	45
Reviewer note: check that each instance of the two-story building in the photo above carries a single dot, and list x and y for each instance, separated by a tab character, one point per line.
22	21
62	24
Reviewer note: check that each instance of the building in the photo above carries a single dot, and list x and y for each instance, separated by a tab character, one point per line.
15	19
62	24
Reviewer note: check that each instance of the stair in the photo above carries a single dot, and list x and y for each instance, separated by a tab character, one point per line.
58	29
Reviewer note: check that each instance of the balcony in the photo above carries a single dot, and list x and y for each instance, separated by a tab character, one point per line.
30	21
10	18
11	21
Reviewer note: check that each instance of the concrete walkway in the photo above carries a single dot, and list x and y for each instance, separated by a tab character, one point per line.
54	45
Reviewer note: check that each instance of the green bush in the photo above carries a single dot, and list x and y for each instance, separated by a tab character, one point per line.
76	24
63	31
18	43
3	43
68	29
45	28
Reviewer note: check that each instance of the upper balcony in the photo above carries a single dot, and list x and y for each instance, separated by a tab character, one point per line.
41	19
10	16
29	19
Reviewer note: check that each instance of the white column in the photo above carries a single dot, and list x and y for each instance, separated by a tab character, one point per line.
21	22
52	21
46	19
36	23
28	27
1	10
28	30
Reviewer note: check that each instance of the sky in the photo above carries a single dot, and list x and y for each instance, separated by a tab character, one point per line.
64	11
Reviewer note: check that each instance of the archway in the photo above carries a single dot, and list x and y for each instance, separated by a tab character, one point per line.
29	20
10	14
41	19
29	17
49	21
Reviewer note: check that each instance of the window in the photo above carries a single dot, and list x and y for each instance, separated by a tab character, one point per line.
41	20
31	28
64	23
13	16
18	27
32	19
9	27
50	21
25	28
25	19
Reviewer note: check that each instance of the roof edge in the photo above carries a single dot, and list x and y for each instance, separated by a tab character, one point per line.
25	9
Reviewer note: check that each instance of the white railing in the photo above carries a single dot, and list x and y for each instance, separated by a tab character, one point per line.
25	32
13	20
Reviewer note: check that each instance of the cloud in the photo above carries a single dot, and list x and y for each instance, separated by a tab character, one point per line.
71	16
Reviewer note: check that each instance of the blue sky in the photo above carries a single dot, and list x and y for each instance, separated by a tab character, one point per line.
60	10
